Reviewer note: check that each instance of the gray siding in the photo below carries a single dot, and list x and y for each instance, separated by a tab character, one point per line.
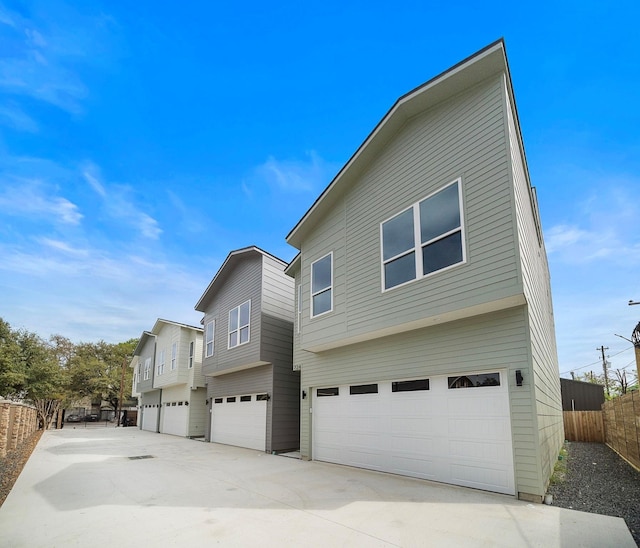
277	290
196	378
248	381
277	342
147	351
463	137
167	335
198	412
242	283
537	290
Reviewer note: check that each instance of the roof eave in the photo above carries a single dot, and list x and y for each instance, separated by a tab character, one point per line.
201	304
486	62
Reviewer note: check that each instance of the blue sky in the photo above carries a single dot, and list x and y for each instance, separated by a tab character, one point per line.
142	141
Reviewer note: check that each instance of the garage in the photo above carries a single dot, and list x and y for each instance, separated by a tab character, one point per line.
453	429
240	420
150	418
175	418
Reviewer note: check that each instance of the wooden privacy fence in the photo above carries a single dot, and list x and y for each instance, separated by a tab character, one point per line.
622	426
584	426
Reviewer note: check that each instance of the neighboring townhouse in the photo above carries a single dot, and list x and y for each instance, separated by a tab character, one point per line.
253	392
168	380
424	326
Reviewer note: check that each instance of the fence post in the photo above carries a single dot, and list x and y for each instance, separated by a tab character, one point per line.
5	412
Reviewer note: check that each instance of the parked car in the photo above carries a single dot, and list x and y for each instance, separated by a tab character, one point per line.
92	417
74	418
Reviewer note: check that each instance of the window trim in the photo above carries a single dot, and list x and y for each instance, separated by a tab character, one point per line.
418	245
160	363
328	392
208	342
240	326
174	356
147	369
192	352
323	290
451	380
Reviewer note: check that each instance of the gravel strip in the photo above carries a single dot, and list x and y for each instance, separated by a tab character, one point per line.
600	482
12	464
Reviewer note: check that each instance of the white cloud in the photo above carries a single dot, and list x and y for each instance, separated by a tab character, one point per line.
64	247
11	115
608	227
45	54
118	202
95	184
99	293
31	198
295	176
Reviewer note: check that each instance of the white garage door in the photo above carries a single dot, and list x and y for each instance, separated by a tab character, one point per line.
240	420
150	419
175	417
453	429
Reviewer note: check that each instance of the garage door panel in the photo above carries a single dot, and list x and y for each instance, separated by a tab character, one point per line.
460	436
174	420
240	423
150	419
481	478
418	467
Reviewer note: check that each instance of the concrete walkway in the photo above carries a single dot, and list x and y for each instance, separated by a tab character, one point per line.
124	487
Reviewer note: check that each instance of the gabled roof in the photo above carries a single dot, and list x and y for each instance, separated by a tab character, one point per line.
146	335
232	259
295	263
143	340
160	322
474	69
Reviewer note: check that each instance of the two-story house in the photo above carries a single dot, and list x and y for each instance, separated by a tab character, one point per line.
252	390
424	326
168	380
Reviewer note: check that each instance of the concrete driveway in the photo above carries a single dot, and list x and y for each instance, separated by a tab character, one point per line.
124	487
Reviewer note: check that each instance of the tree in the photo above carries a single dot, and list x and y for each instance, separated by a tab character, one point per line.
12	374
96	370
618	382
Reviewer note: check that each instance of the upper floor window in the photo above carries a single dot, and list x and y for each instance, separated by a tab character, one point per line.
137	379
147	369
425	238
192	346
322	285
174	355
160	363
208	338
239	324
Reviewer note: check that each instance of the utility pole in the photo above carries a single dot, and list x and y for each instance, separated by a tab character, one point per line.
124	363
604	366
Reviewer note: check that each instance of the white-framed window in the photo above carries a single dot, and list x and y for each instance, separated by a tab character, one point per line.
239	319
209	332
322	285
138	373
299	309
174	355
147	369
426	237
160	363
192	347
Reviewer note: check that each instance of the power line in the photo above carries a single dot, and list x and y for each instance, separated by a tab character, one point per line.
595	363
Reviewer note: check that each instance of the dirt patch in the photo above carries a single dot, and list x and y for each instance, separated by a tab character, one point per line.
13	463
